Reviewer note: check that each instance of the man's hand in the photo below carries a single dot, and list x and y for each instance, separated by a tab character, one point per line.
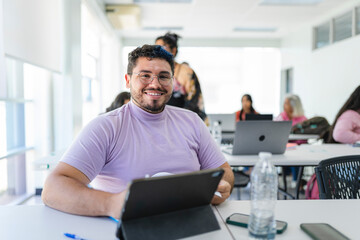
224	188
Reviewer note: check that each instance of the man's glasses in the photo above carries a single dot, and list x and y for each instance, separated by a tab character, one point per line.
163	78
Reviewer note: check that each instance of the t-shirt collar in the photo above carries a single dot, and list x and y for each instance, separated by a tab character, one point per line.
142	114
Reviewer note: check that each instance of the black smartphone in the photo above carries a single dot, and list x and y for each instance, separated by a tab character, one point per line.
322	231
242	220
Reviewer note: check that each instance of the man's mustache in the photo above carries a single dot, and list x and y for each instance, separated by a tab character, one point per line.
155	89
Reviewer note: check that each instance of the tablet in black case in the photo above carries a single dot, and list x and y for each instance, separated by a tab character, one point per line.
170	207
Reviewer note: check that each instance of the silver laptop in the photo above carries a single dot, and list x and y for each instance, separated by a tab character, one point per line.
252	137
227	121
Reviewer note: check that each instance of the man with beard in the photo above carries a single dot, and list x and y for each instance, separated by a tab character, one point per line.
142	138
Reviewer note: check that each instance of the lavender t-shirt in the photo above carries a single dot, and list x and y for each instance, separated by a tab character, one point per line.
130	143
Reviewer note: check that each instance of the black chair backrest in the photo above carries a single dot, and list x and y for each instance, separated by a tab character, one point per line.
339	178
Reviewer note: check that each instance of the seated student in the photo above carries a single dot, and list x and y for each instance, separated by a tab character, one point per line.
293	110
247	107
143	137
121	99
347	121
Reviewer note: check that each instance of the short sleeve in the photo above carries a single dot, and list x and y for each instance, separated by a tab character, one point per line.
89	152
210	155
344	130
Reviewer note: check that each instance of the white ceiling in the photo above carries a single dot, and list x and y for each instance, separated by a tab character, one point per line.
218	18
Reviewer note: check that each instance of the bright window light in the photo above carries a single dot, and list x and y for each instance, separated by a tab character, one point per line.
322	35
3	176
3	145
343	27
225	74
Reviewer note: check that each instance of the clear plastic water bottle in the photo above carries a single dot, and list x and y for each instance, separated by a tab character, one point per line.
264	186
216	132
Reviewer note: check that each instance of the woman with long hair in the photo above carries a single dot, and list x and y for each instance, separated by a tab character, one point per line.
247	108
293	110
187	91
346	127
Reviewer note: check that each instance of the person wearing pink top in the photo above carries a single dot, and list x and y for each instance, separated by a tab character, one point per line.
142	138
346	127
293	110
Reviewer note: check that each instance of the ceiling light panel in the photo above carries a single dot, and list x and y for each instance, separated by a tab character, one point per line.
254	29
289	2
173	28
163	1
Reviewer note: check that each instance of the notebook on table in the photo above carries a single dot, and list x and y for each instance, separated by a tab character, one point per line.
252	137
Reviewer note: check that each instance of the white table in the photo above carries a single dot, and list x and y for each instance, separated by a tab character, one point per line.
303	155
303	136
344	215
42	223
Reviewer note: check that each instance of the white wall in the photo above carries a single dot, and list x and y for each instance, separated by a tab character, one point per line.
323	78
32	31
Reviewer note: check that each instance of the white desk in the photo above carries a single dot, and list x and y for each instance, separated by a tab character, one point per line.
303	155
303	136
344	215
42	223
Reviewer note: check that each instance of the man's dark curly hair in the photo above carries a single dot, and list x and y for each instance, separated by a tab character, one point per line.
150	52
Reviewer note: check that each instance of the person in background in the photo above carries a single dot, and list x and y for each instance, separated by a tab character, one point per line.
187	91
247	107
121	99
143	137
346	127
293	111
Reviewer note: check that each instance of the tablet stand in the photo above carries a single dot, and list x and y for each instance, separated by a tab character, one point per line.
172	225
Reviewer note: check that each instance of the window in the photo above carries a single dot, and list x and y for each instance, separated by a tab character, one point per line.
339	28
288	80
357	12
322	35
3	134
343	27
3	176
239	71
3	147
91	33
25	125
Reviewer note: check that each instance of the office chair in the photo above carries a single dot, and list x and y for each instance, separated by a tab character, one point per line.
339	178
240	180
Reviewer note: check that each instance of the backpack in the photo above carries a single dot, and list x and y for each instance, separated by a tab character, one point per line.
312	188
315	125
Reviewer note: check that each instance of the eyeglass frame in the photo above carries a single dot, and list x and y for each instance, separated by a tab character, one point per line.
152	78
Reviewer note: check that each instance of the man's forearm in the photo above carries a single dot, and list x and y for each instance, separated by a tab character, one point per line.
69	195
229	176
